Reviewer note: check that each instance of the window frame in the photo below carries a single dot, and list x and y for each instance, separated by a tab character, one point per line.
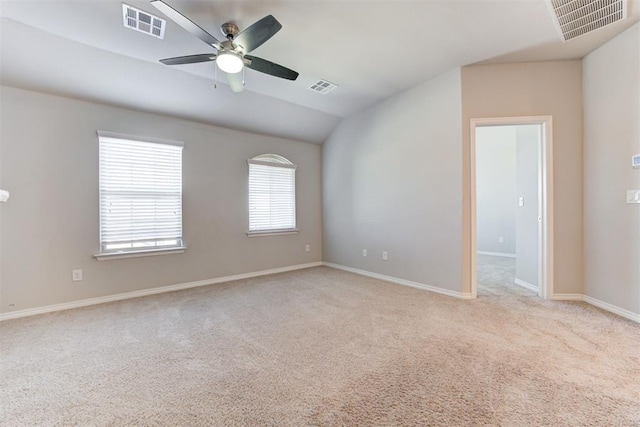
106	254
274	161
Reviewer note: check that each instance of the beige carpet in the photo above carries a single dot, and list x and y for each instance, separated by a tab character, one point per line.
321	347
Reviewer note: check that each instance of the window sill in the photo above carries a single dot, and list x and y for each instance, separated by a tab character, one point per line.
136	254
271	233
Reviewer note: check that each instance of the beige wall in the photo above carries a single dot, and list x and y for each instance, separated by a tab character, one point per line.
49	162
612	136
535	89
392	179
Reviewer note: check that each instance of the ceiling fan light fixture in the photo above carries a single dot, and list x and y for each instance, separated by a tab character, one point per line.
230	62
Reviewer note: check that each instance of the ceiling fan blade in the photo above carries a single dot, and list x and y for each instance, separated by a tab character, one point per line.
271	68
189	59
235	81
186	23
258	33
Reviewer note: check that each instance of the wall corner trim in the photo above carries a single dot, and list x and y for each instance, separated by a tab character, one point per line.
152	291
600	304
398	281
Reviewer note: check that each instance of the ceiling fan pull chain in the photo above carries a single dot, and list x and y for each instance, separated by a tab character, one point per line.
215	77
243	68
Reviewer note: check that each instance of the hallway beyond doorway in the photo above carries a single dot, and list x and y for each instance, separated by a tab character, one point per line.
496	276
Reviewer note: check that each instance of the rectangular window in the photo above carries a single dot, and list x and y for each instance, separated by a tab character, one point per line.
140	194
272	196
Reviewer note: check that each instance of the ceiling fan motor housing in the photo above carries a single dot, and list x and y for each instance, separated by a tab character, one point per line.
230	30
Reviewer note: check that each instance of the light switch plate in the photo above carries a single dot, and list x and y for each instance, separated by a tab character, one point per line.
633	196
635	161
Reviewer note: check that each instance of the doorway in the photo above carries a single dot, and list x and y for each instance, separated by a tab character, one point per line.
511	212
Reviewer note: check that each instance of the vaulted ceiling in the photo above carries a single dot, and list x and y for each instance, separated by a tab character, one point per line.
370	49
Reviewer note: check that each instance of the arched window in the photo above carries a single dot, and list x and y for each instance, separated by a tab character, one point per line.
272	194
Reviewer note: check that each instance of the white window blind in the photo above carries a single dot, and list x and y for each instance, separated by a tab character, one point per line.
272	194
140	194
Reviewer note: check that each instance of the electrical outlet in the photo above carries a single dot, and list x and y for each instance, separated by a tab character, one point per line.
364	252
307	248
76	275
500	239
385	255
633	196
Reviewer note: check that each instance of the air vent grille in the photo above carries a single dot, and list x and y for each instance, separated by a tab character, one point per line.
577	17
323	87
144	22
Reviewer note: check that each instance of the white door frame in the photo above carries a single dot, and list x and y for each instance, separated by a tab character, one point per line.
545	195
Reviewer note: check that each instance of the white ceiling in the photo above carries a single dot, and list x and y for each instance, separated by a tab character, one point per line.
371	49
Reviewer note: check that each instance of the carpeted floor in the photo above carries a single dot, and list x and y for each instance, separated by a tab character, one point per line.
321	347
496	275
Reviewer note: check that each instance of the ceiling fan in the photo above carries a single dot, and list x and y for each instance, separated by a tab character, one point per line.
232	53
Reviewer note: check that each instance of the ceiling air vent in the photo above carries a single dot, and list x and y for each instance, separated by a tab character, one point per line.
323	87
144	22
577	17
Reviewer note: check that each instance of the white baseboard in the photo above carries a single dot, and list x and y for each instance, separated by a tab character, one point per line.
400	281
526	285
600	304
171	288
612	308
502	254
153	291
